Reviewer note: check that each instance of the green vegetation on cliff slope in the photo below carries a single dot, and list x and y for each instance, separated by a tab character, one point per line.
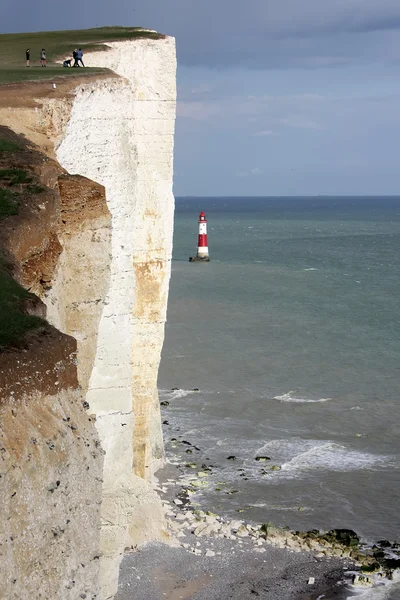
14	320
58	44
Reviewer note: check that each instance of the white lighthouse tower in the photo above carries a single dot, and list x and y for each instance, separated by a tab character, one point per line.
202	244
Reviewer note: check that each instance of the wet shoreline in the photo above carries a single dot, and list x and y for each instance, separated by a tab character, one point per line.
210	557
204	566
161	572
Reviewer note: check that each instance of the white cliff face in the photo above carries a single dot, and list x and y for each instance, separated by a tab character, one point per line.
120	135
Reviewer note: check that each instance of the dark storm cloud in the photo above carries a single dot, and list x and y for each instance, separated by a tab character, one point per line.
253	33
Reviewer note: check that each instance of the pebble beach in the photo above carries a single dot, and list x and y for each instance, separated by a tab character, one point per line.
209	557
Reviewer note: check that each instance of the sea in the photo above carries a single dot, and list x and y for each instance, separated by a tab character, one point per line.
281	361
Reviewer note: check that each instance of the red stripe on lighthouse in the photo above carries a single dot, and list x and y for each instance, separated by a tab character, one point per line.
202	240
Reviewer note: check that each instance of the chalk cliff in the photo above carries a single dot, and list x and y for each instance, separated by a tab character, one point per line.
51	461
108	283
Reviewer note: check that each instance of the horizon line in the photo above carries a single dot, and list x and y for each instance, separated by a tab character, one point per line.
301	196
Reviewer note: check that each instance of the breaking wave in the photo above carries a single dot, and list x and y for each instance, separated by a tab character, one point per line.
289	398
178	393
380	590
297	456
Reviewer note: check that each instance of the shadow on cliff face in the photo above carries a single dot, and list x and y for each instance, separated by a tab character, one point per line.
29	250
20	193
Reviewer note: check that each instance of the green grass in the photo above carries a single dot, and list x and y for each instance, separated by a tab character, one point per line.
6	146
9	202
20	75
35	189
15	176
14	323
57	45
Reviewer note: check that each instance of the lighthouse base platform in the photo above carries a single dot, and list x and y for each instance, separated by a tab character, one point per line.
199	259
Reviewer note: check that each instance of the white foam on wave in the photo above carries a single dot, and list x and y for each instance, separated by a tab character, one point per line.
297	456
289	398
380	590
329	456
175	394
311	269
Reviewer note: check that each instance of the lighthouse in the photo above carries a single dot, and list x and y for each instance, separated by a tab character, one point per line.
202	244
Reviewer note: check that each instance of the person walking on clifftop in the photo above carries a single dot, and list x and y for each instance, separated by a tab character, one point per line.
80	56
43	58
28	56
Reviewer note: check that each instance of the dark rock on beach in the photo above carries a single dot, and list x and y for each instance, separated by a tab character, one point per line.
346	537
384	544
391	563
205	467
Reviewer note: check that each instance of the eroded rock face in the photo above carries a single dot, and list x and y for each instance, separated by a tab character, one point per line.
81	280
120	134
50	474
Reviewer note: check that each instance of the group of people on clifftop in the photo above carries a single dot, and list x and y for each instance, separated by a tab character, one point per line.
77	57
43	59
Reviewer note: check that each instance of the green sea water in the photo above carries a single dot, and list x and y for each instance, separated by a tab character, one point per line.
292	335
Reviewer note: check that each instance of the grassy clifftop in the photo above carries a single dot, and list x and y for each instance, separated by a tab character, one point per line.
57	44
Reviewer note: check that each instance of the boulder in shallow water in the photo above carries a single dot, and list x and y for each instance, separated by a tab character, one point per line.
391	563
347	537
362	581
206	467
370	566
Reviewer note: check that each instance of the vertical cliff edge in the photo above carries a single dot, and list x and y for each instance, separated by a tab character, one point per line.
102	270
120	134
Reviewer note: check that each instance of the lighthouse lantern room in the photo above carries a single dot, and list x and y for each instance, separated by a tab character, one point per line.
202	244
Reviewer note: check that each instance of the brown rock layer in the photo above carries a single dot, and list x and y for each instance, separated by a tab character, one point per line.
45	362
50	478
51	461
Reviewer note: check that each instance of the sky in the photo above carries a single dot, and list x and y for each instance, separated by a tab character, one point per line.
275	97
